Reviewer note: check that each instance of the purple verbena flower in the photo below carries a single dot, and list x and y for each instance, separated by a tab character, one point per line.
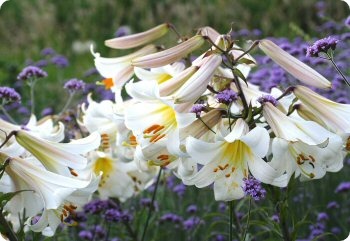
74	85
47	51
197	109
343	187
60	61
8	95
321	46
96	206
322	217
47	111
275	218
86	235
99	232
226	96
41	63
122	31
192	209
267	98
179	189
112	215
170	217
332	205
31	72
253	188
192	223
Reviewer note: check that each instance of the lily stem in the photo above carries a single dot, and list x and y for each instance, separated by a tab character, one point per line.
248	219
152	204
8	230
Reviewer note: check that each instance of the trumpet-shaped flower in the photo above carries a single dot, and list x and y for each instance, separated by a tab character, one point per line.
119	70
228	161
335	116
135	40
293	66
49	187
57	157
307	161
292	129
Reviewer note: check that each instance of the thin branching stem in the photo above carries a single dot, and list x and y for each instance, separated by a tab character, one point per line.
151	206
330	57
248	220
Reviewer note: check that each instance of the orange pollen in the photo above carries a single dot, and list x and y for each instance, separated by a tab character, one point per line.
156	138
163	157
73	172
151	128
347	147
61	218
233	169
223	167
312	158
165	164
228	175
216	169
108	83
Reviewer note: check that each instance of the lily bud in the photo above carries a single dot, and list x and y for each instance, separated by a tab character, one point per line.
295	67
209	32
201	126
197	84
173	84
170	55
135	40
336	116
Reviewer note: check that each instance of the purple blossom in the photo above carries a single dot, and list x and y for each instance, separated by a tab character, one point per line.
47	111
146	202
170	217
192	223
74	85
126	216
332	205
343	187
41	63
86	235
60	61
31	72
220	237
275	218
112	215
179	189
192	209
99	232
47	51
322	217
197	109
226	96
267	98
347	21
8	95
96	206
122	31
253	188
321	45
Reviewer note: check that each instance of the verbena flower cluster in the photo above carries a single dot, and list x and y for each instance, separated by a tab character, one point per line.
31	72
8	94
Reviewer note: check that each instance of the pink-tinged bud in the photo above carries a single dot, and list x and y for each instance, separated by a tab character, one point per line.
197	84
173	84
171	55
295	67
201	126
209	32
135	40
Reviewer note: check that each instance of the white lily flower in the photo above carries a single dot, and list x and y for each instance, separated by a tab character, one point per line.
227	161
119	179
307	161
119	70
57	157
293	66
292	129
50	187
335	116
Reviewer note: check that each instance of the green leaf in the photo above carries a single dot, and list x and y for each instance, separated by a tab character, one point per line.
240	75
245	61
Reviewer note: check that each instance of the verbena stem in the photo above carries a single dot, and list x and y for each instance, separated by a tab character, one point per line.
152	204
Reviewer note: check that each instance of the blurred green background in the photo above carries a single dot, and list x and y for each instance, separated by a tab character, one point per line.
28	26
